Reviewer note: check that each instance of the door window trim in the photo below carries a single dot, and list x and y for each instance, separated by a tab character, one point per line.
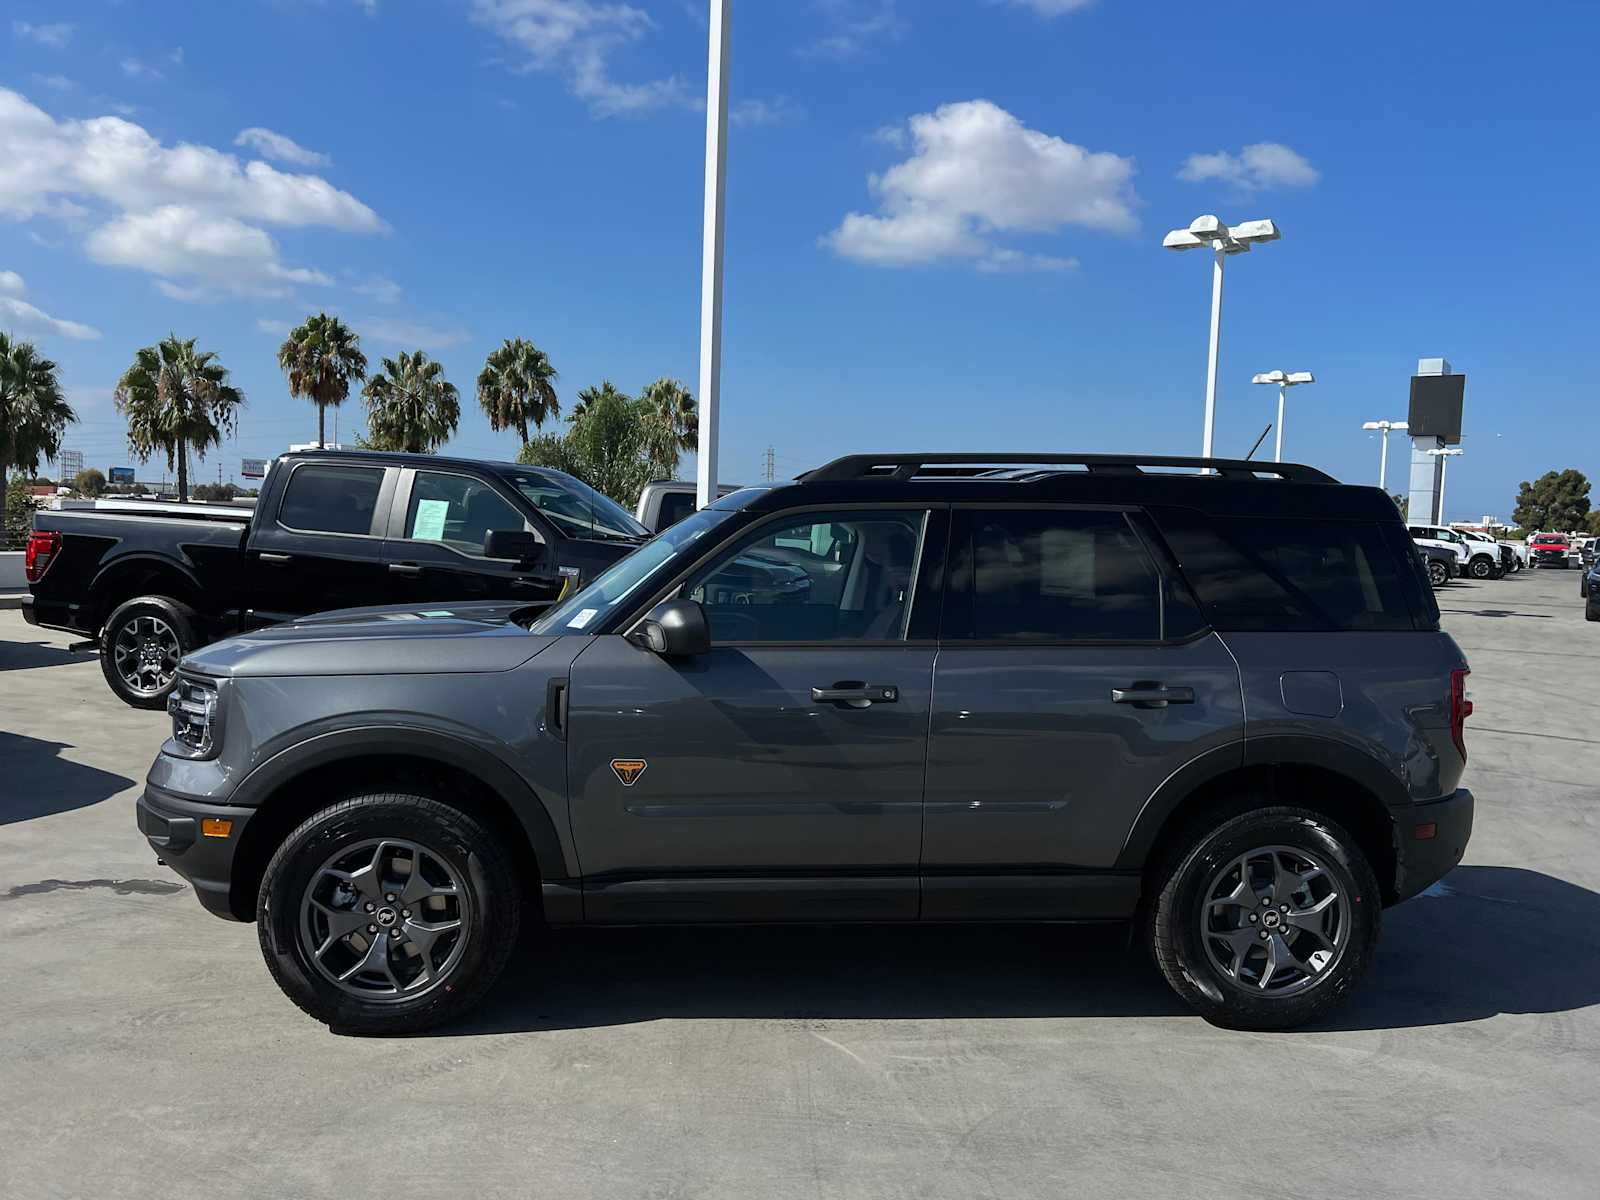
1157	555
380	506
401	506
935	529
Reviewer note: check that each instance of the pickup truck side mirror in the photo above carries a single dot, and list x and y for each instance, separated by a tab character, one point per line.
674	629
516	544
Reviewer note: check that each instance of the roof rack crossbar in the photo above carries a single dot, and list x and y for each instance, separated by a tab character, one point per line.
902	467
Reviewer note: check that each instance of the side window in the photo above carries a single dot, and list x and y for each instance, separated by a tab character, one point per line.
328	499
675	506
840	577
457	511
1052	575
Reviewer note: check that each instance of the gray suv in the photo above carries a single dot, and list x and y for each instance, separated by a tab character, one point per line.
1214	702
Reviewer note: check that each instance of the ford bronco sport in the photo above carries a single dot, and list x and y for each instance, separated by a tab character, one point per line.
1208	696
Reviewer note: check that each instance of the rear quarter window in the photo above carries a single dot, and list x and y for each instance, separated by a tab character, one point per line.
1291	573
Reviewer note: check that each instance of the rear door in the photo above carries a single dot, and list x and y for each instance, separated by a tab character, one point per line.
1074	676
322	546
435	552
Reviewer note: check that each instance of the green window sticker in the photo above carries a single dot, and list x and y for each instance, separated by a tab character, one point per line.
428	525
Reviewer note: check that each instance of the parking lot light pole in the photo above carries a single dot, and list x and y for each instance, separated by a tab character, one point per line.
1383	454
1224	241
711	253
1285	380
1444	456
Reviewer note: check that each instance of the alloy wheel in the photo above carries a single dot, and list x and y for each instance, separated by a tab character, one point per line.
145	653
1274	921
385	920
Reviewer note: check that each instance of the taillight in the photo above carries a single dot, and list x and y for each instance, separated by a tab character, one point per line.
1460	709
43	546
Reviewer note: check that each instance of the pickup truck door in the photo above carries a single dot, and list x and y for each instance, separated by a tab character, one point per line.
435	549
780	775
320	544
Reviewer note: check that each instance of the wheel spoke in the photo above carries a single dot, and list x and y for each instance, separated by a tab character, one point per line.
426	933
1244	894
341	924
375	959
418	889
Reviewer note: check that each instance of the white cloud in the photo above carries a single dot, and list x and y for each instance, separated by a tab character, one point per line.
384	291
852	27
56	34
978	171
1053	8
412	335
1256	167
117	162
780	110
276	328
575	39
276	146
197	256
17	314
59	83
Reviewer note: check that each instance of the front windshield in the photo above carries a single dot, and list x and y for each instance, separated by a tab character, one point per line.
575	508
589	609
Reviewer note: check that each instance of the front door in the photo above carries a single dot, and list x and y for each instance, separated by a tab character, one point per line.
1074	676
778	777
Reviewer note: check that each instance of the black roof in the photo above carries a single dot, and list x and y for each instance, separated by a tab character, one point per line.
401	458
1232	486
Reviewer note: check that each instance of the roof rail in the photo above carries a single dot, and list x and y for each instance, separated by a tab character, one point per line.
901	467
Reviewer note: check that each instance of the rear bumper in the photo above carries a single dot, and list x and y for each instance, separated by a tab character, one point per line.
172	826
54	614
1424	860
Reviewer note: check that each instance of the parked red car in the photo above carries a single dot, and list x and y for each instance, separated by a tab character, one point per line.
1550	550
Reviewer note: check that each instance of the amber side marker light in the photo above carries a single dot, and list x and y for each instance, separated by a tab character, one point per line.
216	827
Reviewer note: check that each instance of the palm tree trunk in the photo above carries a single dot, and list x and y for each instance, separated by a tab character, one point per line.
183	472
322	437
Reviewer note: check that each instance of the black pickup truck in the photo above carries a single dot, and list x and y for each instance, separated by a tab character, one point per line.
331	529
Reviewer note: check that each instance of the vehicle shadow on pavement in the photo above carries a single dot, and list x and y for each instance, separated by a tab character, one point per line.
35	781
1489	940
22	656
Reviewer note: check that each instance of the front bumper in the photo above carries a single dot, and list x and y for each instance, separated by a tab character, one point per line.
1423	861
173	826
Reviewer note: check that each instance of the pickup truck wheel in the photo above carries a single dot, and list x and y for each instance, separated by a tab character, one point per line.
388	913
1481	568
1438	573
1268	920
140	645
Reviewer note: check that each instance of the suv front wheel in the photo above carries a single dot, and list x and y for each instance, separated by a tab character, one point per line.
1267	920
388	913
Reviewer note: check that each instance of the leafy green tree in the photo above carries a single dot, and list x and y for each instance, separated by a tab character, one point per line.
1402	502
215	493
410	405
517	387
1557	500
322	358
89	482
177	398
1591	523
19	513
614	443
675	417
34	412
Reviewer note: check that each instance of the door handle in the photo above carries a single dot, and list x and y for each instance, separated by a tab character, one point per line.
857	694
1152	695
272	556
405	569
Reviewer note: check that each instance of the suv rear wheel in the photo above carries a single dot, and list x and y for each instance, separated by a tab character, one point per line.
1267	920
388	913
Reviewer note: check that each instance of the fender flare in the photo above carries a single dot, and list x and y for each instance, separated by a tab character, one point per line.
1307	750
133	562
338	745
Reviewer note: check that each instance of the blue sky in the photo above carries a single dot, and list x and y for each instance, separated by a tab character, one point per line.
944	217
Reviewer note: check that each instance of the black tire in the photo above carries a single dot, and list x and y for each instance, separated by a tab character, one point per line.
161	612
1481	567
1175	918
488	908
1438	573
1591	612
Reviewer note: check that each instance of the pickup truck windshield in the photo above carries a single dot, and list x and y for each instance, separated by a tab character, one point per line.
576	508
589	609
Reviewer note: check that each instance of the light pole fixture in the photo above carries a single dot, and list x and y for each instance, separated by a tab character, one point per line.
1223	240
711	252
1383	455
1285	380
1444	455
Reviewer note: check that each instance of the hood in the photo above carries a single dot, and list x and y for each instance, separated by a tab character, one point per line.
412	640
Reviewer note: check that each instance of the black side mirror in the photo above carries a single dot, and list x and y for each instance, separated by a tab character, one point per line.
517	544
674	629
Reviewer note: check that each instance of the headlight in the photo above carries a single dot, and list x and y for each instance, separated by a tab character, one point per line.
195	709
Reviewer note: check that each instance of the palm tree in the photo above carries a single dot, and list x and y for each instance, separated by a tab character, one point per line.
410	405
675	421
33	411
515	387
322	357
174	398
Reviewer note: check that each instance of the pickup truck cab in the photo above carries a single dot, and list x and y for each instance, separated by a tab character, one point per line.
665	502
331	529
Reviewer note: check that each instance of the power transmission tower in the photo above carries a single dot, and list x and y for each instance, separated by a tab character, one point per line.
769	465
